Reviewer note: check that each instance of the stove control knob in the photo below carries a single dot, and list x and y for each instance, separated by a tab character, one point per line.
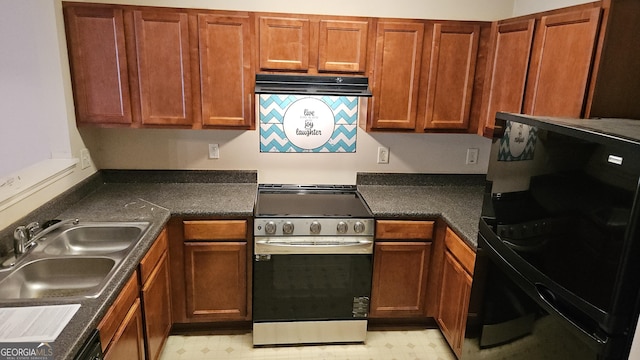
270	228
315	227
342	227
287	227
358	227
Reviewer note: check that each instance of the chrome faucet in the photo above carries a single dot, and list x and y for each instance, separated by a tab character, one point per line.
20	238
25	236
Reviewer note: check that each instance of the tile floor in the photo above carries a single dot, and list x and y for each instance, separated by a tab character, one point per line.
422	344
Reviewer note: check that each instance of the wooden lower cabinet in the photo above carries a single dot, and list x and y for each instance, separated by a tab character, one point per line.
214	271
455	289
121	331
399	279
128	343
137	324
156	297
454	300
401	260
216	279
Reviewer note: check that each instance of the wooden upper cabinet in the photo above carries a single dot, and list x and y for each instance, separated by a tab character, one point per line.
284	43
396	75
96	40
450	75
615	83
342	46
506	73
313	43
163	58
561	61
226	70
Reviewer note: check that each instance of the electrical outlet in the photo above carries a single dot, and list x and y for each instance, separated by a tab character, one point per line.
472	156
383	155
85	159
214	151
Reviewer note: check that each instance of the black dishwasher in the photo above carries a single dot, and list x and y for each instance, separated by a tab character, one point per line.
91	349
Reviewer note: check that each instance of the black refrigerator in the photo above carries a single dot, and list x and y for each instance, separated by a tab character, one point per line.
558	264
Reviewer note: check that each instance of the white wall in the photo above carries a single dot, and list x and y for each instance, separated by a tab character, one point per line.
37	111
427	9
525	7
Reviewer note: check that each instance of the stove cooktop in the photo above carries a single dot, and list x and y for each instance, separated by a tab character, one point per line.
321	201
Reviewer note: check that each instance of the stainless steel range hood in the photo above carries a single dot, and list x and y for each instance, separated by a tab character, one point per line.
312	85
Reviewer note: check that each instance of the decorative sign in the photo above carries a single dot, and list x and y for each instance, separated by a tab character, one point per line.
518	142
294	123
308	123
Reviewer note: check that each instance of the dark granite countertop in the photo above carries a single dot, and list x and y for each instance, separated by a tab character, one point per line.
456	198
115	196
156	196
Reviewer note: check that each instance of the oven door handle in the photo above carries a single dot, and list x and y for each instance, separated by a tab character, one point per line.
291	246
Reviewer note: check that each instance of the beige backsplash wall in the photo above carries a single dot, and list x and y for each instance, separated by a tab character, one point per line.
240	150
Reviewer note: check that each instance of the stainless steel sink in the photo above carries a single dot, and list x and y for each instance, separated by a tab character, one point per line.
58	278
73	260
94	238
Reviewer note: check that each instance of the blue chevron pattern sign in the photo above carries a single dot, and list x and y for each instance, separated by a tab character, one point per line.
518	142
296	123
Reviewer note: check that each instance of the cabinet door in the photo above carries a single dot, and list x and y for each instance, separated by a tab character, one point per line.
342	46
399	279
97	54
450	76
128	343
506	73
156	297
396	74
454	302
111	324
226	70
561	60
284	43
216	280
164	76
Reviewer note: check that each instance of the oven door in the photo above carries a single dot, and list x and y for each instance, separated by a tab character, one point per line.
311	294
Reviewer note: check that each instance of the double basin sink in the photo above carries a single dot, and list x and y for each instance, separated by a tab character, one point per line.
74	261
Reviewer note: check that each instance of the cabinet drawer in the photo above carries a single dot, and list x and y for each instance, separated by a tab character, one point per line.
215	230
117	313
460	251
153	256
404	229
